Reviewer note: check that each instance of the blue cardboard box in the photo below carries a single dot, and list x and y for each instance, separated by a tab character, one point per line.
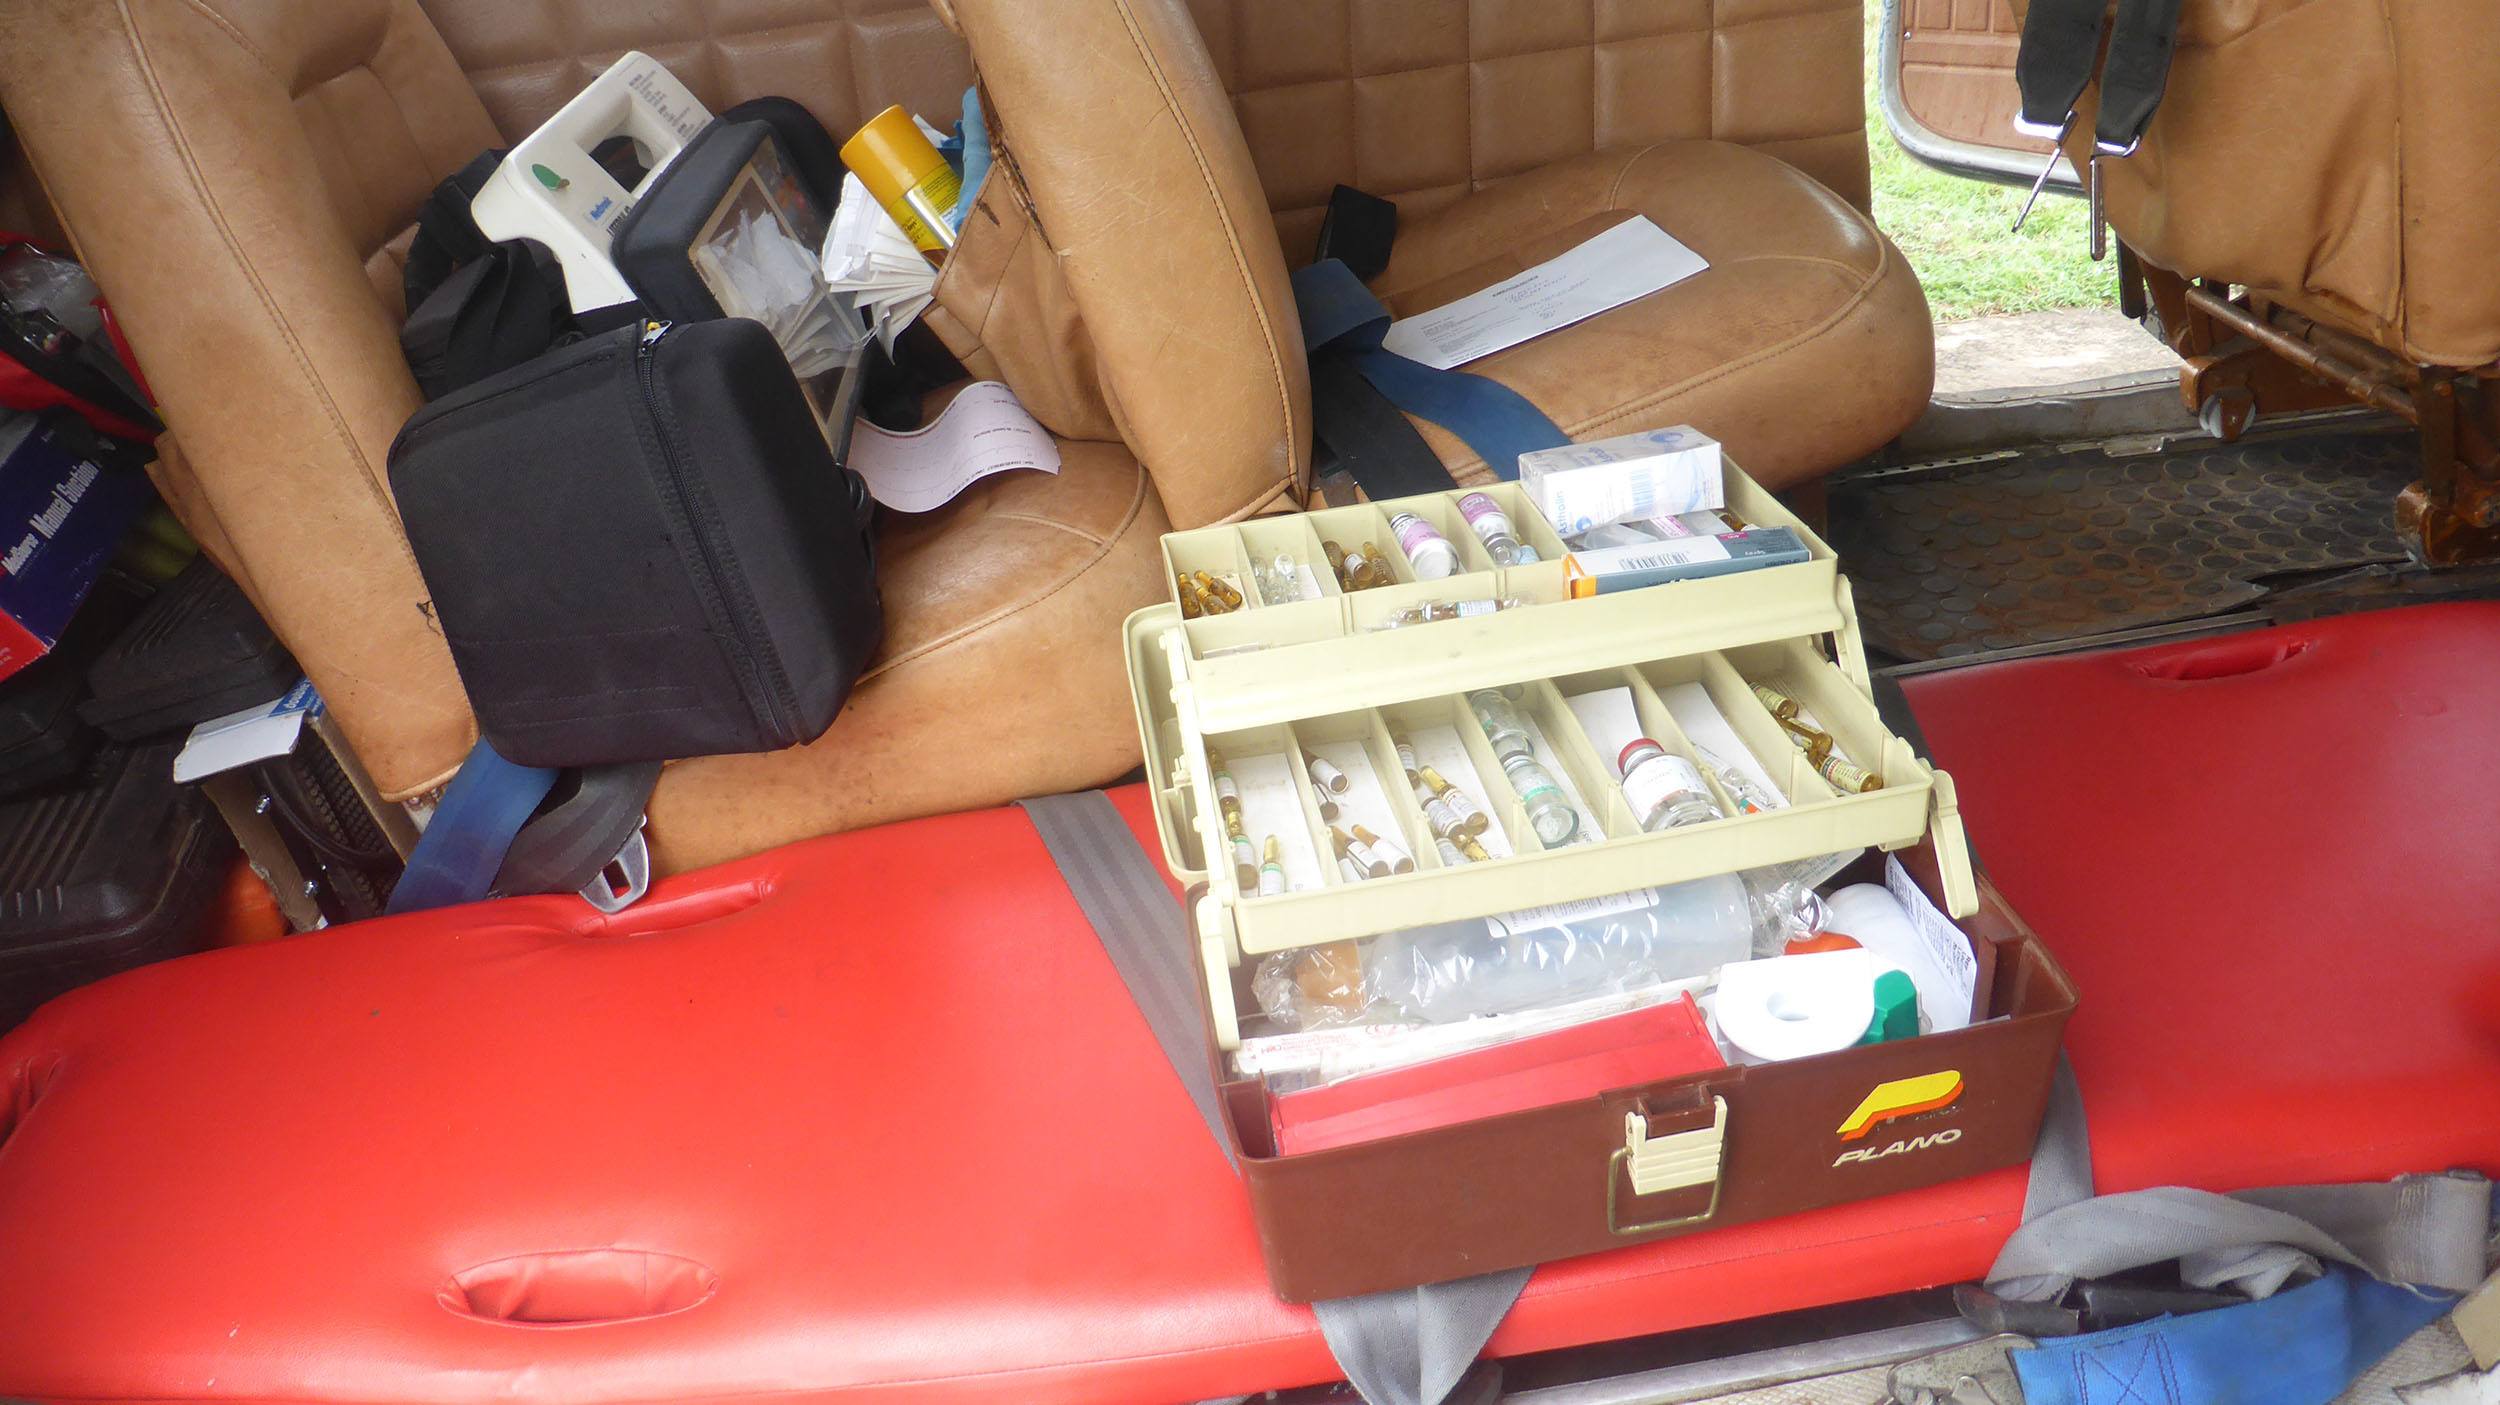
61	515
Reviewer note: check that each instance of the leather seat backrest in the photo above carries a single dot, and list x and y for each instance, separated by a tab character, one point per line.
1109	114
240	176
847	60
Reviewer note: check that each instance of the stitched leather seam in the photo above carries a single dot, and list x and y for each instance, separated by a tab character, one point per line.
1136	502
1040	521
1223	218
139	51
241	41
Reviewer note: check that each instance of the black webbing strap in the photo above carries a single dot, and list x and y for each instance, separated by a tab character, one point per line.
2061	47
1358	431
1412	1346
1366	437
2135	73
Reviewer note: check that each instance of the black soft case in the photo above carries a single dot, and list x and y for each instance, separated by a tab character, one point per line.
640	548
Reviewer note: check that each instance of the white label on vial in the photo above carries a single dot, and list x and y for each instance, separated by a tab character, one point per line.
1271	881
1353	871
1470	609
1649	784
1450	856
1327	777
1531	919
1364	854
1406	758
1224	787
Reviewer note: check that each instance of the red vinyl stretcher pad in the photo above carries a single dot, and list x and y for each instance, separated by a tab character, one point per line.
872	1118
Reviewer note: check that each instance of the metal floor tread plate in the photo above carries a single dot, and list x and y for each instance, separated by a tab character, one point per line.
2063	544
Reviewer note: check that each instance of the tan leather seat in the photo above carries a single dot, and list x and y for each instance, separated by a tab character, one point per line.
2331	160
241	174
1803	347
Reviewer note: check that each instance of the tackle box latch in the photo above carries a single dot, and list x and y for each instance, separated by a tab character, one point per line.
1656	1164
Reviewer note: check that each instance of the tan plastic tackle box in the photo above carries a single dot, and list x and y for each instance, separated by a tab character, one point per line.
1268	686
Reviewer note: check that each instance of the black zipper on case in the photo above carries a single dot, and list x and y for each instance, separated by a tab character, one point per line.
778	704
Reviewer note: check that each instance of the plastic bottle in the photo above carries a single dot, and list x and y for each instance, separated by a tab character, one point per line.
1524	960
1430	552
1549	810
1492	526
1666	791
1503	729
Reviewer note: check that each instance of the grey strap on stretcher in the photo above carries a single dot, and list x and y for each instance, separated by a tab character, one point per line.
2424	1230
1402	1348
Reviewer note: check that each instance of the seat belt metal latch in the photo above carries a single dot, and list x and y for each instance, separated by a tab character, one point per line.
1657	1164
621	881
2057	148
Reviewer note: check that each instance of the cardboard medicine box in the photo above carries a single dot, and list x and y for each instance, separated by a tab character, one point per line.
62	514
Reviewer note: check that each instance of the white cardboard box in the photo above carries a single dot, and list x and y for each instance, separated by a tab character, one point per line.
1655	473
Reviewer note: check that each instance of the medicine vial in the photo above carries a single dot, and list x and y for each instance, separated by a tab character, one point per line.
1492	526
1406	754
1349	870
1450	856
1503	729
1430	552
1549	811
1372	865
1471	819
1327	777
1371	569
1474	852
1665	790
1388	852
1227	796
1749	794
1219	589
1437	812
1272	870
1336	558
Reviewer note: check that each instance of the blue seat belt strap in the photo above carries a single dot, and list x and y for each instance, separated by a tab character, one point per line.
2302	1346
463	846
1340	316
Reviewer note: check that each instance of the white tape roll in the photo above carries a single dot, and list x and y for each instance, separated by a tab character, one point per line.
1787	1007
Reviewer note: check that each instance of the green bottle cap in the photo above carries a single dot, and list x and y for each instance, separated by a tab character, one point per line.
1896	1010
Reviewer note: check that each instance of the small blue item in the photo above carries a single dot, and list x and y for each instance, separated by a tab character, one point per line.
2302	1346
1496	421
969	150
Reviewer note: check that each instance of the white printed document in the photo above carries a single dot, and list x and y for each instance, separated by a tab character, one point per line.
1631	260
986	430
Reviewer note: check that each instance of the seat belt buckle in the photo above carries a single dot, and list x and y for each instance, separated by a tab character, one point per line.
2057	148
622	881
1974	1373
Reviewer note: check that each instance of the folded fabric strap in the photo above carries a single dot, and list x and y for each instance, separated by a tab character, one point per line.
1340	317
2425	1230
2301	1347
464	844
1409	1347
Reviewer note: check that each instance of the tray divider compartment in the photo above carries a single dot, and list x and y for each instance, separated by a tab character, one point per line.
1753	724
1797	670
1218	552
1314	826
1583	772
1441	510
1416	832
1501	801
1263	537
1442	722
1660	726
1356	743
1359	525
